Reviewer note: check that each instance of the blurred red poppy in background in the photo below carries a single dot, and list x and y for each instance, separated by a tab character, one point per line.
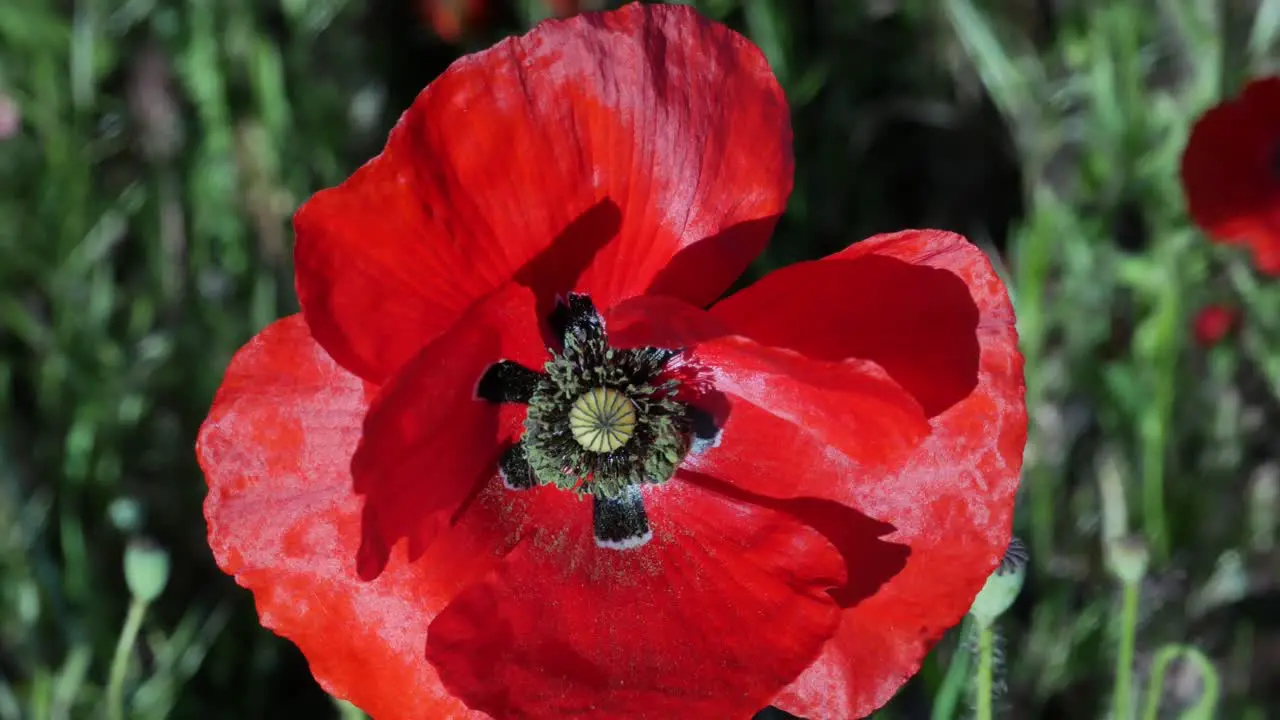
1213	323
505	462
1231	172
450	19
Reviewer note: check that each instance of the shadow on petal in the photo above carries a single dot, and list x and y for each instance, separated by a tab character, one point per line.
869	561
555	270
428	442
918	323
923	329
700	265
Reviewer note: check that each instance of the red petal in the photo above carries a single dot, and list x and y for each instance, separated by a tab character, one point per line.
608	116
952	505
917	322
429	442
778	411
782	417
935	297
707	620
1231	175
283	520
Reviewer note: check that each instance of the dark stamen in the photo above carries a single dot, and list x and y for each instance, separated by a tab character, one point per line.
706	433
1016	557
576	315
652	360
506	381
514	469
621	523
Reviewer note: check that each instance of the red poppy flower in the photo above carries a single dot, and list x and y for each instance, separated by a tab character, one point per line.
1213	323
505	463
451	18
1231	172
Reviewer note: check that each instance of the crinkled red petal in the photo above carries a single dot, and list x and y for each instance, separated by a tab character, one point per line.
1231	172
779	412
276	451
429	441
917	322
952	504
783	419
719	610
642	150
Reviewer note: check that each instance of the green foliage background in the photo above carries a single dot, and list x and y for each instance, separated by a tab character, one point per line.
144	237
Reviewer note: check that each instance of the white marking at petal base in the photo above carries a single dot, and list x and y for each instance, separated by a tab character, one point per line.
701	445
506	481
630	543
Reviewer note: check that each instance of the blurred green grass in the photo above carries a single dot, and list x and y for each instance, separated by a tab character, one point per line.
144	237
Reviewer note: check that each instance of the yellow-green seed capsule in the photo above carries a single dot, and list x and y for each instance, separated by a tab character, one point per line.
1127	558
602	420
146	569
1003	586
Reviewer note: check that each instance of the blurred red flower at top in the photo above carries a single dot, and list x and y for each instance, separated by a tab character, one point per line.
1213	323
788	496
1231	172
451	18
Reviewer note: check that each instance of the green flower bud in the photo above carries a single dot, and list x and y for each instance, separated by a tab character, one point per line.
1002	588
1127	558
125	514
146	569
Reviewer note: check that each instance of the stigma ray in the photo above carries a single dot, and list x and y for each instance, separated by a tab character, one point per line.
514	469
621	523
507	381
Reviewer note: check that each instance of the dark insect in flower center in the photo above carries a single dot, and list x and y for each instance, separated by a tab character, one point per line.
602	421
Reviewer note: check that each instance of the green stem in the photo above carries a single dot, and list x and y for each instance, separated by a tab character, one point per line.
1153	518
986	662
1204	707
120	661
1156	683
1155	424
1122	701
956	682
1043	506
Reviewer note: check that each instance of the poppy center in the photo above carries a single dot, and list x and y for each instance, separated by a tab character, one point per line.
602	420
